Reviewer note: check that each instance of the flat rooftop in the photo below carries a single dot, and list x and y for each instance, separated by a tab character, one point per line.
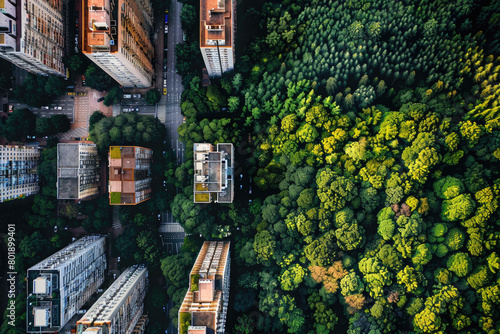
216	15
68	155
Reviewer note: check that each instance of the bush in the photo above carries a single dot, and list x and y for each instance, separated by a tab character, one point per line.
195	279
185	322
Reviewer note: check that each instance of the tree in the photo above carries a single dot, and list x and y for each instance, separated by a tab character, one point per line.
292	277
94	118
460	264
459	207
448	187
114	97
55	86
188	17
153	96
21	123
75	62
98	79
351	284
60	123
44	127
264	245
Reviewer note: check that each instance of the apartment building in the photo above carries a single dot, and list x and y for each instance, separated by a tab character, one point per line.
204	308
62	283
78	170
217	34
32	35
129	174
116	36
213	173
18	171
119	309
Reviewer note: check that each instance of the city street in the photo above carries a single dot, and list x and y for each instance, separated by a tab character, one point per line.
144	109
65	102
172	111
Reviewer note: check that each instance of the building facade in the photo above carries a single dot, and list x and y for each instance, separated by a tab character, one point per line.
78	170
119	309
116	37
18	171
217	34
213	173
32	35
62	283
129	174
204	308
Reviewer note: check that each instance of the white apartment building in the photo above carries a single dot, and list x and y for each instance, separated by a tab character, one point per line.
119	309
18	171
62	283
217	31
78	170
32	35
116	37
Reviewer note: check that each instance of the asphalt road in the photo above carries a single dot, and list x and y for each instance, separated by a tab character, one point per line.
65	102
173	117
144	108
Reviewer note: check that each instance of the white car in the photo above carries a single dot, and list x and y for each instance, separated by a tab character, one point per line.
45	107
136	96
58	108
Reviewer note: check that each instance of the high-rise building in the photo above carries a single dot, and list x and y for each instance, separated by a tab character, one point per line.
119	309
18	174
32	35
116	36
62	283
129	174
78	170
213	173
204	308
217	34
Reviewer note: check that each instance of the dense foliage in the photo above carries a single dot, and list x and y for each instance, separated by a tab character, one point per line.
371	130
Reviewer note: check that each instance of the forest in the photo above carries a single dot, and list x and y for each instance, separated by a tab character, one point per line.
370	130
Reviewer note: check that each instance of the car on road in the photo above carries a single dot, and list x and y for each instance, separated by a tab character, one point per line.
45	107
58	108
100	99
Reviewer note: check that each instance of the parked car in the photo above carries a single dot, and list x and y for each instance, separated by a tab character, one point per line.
136	109
45	107
100	99
137	96
58	108
82	311
165	91
127	96
184	119
126	110
55	229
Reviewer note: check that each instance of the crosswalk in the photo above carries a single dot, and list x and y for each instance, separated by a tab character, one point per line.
116	218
